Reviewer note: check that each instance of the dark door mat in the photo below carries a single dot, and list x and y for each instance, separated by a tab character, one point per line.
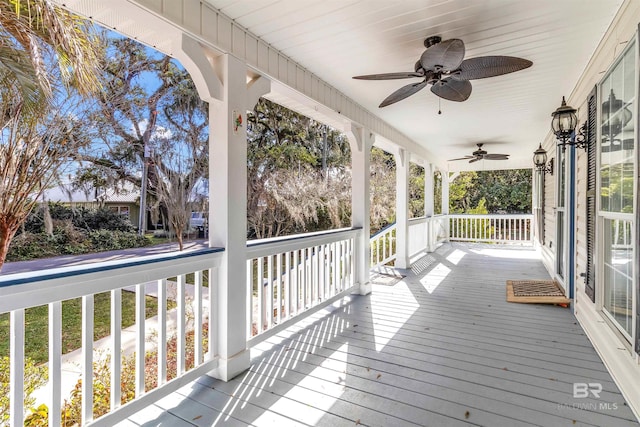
536	292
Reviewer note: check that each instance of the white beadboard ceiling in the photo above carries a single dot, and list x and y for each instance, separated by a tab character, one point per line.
338	39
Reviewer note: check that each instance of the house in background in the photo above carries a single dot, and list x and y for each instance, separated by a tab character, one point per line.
124	200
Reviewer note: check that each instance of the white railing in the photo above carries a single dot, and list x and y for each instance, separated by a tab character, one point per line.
20	292
418	235
383	246
289	277
491	228
438	230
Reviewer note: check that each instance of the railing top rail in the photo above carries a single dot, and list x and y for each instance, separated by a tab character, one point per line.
22	290
492	216
263	247
383	230
76	270
418	220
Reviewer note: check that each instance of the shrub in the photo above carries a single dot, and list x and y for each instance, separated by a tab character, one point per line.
105	240
101	219
34	378
67	240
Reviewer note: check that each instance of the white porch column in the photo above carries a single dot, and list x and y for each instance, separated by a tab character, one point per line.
428	206
228	215
361	141
445	200
428	190
402	208
222	81
445	193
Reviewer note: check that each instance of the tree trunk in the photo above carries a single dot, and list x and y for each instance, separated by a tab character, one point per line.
179	237
6	234
48	221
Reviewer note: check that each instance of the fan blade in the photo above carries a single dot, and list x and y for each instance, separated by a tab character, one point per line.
475	159
389	76
490	66
402	93
444	56
453	90
461	158
496	156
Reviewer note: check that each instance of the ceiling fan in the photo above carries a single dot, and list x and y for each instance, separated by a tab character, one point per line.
481	154
442	65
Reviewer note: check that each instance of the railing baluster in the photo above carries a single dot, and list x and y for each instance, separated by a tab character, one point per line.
287	287
16	368
341	263
140	338
315	295
116	347
197	314
350	242
308	279
519	229
326	253
467	225
296	282
55	363
279	285
269	295
87	359
336	265
250	298
260	321
213	312
321	285
162	331
181	311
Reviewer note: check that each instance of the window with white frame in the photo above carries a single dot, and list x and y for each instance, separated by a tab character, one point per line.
617	166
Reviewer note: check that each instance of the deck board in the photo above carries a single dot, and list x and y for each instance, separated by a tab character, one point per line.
440	348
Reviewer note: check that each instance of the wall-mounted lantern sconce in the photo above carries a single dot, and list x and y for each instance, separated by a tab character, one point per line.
540	161
564	124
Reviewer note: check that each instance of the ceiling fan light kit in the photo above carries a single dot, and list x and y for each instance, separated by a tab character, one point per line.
442	65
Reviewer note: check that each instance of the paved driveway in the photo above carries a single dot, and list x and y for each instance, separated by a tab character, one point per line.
68	260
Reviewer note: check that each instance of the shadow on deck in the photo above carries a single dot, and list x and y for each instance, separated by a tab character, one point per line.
440	347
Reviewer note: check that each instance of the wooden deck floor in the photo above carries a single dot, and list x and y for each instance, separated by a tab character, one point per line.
440	348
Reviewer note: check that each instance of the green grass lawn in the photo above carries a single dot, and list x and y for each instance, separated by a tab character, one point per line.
37	321
190	279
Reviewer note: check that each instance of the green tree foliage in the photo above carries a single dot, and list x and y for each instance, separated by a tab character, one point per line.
150	101
383	190
295	182
437	192
34	35
41	47
504	191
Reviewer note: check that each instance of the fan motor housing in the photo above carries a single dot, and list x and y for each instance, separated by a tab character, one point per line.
430	41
